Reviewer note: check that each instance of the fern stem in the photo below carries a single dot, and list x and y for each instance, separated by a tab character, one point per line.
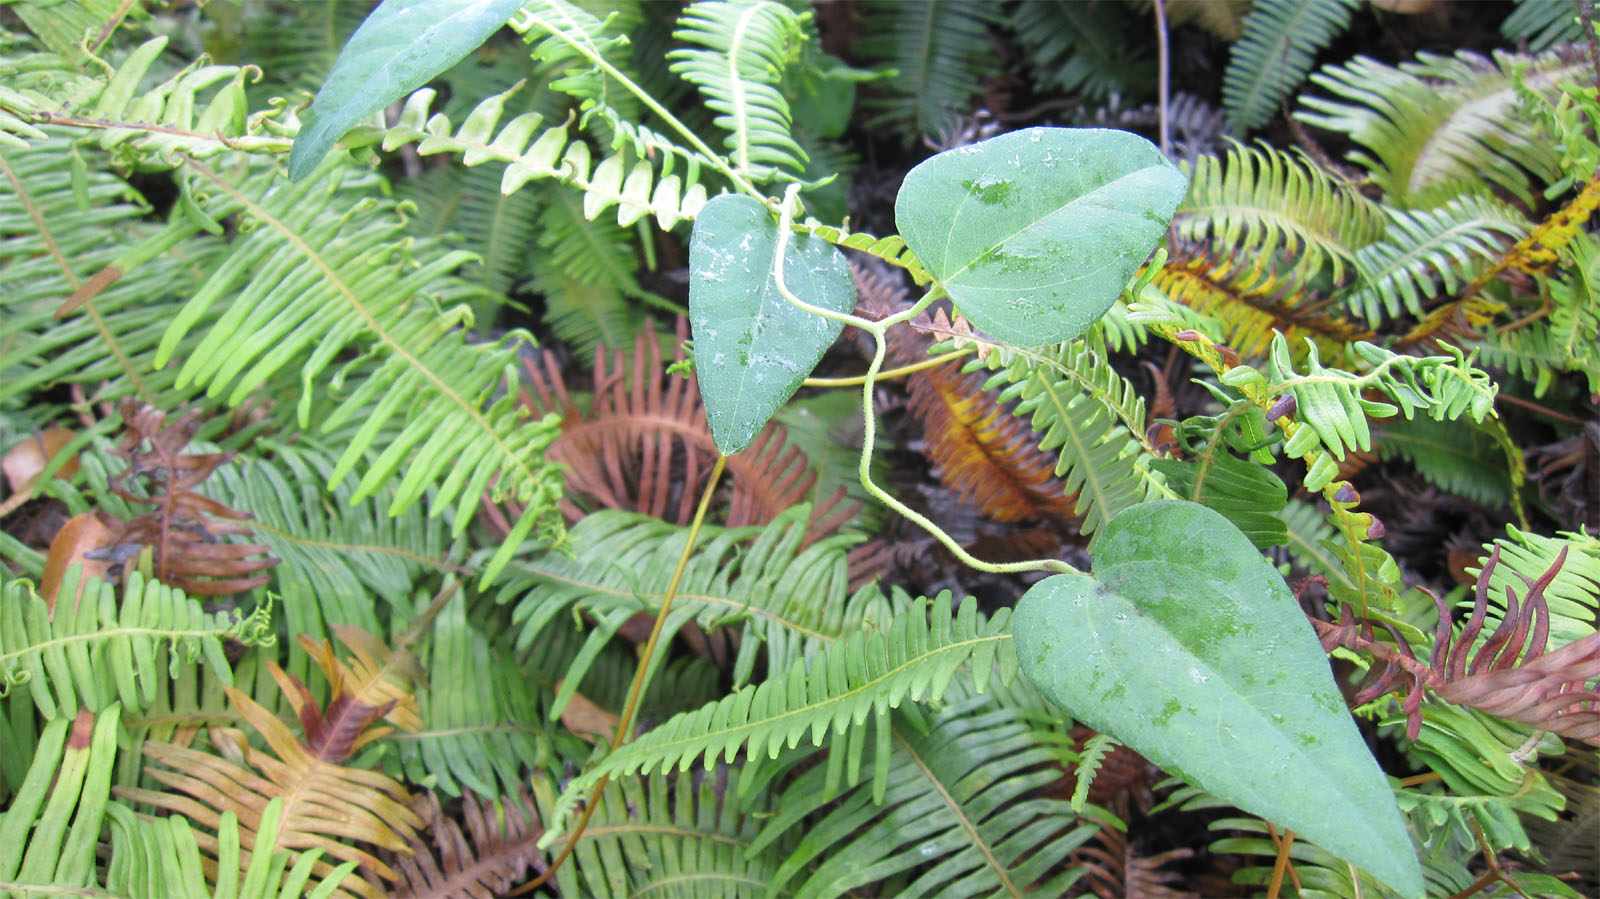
902	371
868	384
630	710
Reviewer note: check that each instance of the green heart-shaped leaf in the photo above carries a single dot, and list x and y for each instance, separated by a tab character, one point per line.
1035	233
752	347
1187	645
399	48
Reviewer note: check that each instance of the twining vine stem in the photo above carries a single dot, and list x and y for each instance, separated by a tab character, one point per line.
870	381
630	709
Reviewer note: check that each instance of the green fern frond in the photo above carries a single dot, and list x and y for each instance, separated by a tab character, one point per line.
1423	251
50	830
584	316
498	227
314	275
869	672
941	54
482	724
110	342
666	836
104	649
1274	54
1442	126
1246	492
295	44
622	179
1458	456
790	601
1573	597
1085	47
999	836
740	52
341	558
1283	210
1330	400
590	252
162	857
1544	24
1088	415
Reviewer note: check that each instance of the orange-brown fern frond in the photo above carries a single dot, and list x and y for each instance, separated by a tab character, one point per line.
990	457
376	676
326	805
1250	304
487	858
644	445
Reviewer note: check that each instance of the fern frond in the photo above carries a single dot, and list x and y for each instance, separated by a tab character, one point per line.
295	44
1443	126
162	857
481	717
1456	455
667	836
1423	251
1309	536
321	799
1274	54
622	179
1088	415
110	341
488	858
1572	597
107	649
583	249
1281	210
1543	24
1085	47
586	316
790	601
866	673
1330	400
498	227
70	778
741	50
968	781
1246	309
342	276
340	557
941	53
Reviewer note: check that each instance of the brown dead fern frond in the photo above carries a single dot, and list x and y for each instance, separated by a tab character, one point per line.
490	856
1510	674
185	530
644	445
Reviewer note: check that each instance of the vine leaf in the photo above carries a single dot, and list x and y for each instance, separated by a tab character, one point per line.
752	346
1235	693
399	48
1035	233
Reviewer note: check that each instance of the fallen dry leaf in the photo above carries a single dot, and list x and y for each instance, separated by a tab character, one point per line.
588	720
82	534
26	461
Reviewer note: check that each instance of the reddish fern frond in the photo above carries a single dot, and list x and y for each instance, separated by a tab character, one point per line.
335	733
1509	675
990	457
644	445
377	675
185	529
493	855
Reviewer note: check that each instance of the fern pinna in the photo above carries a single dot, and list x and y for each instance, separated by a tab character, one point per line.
357	580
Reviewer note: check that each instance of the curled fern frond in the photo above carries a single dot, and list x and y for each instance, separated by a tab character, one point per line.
741	50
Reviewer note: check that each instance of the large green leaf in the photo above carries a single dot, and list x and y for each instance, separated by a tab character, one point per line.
1187	645
399	48
1034	233
752	347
